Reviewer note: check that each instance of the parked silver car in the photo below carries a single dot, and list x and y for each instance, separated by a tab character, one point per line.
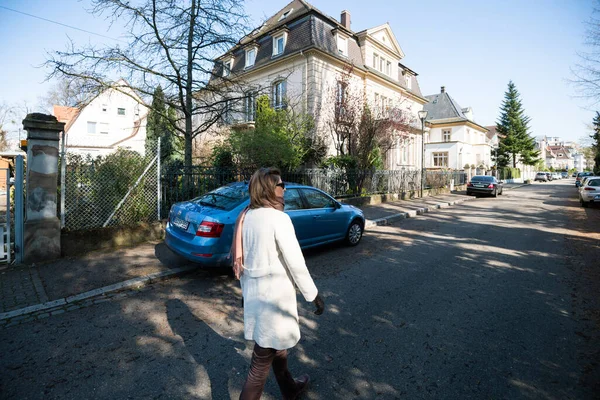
541	176
589	192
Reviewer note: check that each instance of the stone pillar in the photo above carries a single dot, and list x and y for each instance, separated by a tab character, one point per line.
41	233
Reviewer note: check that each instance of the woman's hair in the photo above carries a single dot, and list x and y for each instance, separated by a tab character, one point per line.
262	187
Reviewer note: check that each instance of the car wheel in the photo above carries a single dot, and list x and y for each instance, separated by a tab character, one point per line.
501	191
495	193
469	193
354	233
583	203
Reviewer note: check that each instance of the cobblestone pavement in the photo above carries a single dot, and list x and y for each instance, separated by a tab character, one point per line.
20	287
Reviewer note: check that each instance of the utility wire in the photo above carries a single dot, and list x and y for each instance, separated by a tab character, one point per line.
59	23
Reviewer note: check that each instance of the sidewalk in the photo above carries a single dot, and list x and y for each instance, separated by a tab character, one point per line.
34	292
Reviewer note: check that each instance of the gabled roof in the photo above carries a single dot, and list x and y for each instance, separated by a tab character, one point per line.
442	108
491	132
388	29
65	114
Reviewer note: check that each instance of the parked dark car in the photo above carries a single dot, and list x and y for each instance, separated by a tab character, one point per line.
201	229
580	176
484	184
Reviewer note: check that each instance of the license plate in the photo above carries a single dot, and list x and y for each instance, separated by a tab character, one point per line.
479	185
178	222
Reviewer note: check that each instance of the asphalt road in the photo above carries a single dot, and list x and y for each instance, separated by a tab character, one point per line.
492	299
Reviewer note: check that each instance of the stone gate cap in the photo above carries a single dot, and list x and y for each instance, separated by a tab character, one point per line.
42	122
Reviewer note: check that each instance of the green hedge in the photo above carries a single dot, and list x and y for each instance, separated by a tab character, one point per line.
510	173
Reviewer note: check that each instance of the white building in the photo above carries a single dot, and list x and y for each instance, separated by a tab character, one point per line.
299	57
116	118
455	140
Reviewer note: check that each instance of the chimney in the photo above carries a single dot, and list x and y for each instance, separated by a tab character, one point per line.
443	89
345	19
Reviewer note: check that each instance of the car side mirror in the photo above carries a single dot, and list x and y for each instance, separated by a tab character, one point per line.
338	205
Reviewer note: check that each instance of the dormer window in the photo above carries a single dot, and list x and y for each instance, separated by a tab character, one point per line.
250	57
408	81
285	14
227	67
279	44
342	44
375	61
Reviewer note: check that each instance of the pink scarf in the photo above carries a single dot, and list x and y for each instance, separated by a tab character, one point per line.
237	248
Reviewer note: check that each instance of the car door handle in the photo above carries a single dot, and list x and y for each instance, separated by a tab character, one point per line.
316	216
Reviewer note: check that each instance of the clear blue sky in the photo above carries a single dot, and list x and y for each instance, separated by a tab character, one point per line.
472	47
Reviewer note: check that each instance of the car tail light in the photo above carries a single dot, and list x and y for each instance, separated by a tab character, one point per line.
491	186
469	184
589	188
210	229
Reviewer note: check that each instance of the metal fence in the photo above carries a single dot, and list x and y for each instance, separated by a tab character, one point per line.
117	189
186	183
126	187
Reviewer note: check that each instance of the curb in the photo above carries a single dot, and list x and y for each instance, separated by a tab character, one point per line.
369	223
93	296
412	213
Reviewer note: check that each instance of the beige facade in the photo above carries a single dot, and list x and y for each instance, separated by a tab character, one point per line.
369	61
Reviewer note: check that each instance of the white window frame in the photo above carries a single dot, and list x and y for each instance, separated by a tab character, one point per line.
408	80
340	99
276	39
94	124
279	91
342	44
104	108
227	66
227	116
388	68
440	159
106	127
375	60
250	61
250	106
446	135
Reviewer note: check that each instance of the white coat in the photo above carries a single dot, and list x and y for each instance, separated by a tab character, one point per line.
273	262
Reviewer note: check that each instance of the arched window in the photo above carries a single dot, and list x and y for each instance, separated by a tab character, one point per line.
279	95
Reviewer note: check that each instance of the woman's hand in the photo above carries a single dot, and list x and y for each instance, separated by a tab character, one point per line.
319	304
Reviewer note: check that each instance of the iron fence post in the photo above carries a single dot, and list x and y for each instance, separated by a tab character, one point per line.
158	188
19	214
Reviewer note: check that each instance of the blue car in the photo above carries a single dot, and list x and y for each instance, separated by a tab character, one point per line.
201	229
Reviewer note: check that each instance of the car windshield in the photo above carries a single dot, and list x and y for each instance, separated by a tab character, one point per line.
483	178
224	198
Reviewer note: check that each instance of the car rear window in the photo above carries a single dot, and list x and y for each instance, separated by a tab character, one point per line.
594	182
483	178
224	198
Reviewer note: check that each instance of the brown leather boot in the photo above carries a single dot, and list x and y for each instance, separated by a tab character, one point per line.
301	386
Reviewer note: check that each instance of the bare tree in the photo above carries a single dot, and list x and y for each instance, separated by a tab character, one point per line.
171	43
69	92
586	73
357	128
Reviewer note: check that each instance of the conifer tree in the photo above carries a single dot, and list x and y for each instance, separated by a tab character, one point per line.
160	125
513	129
596	145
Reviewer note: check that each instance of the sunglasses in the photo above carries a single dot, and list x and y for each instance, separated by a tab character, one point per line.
281	185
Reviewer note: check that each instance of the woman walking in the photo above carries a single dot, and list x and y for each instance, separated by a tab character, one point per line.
268	261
